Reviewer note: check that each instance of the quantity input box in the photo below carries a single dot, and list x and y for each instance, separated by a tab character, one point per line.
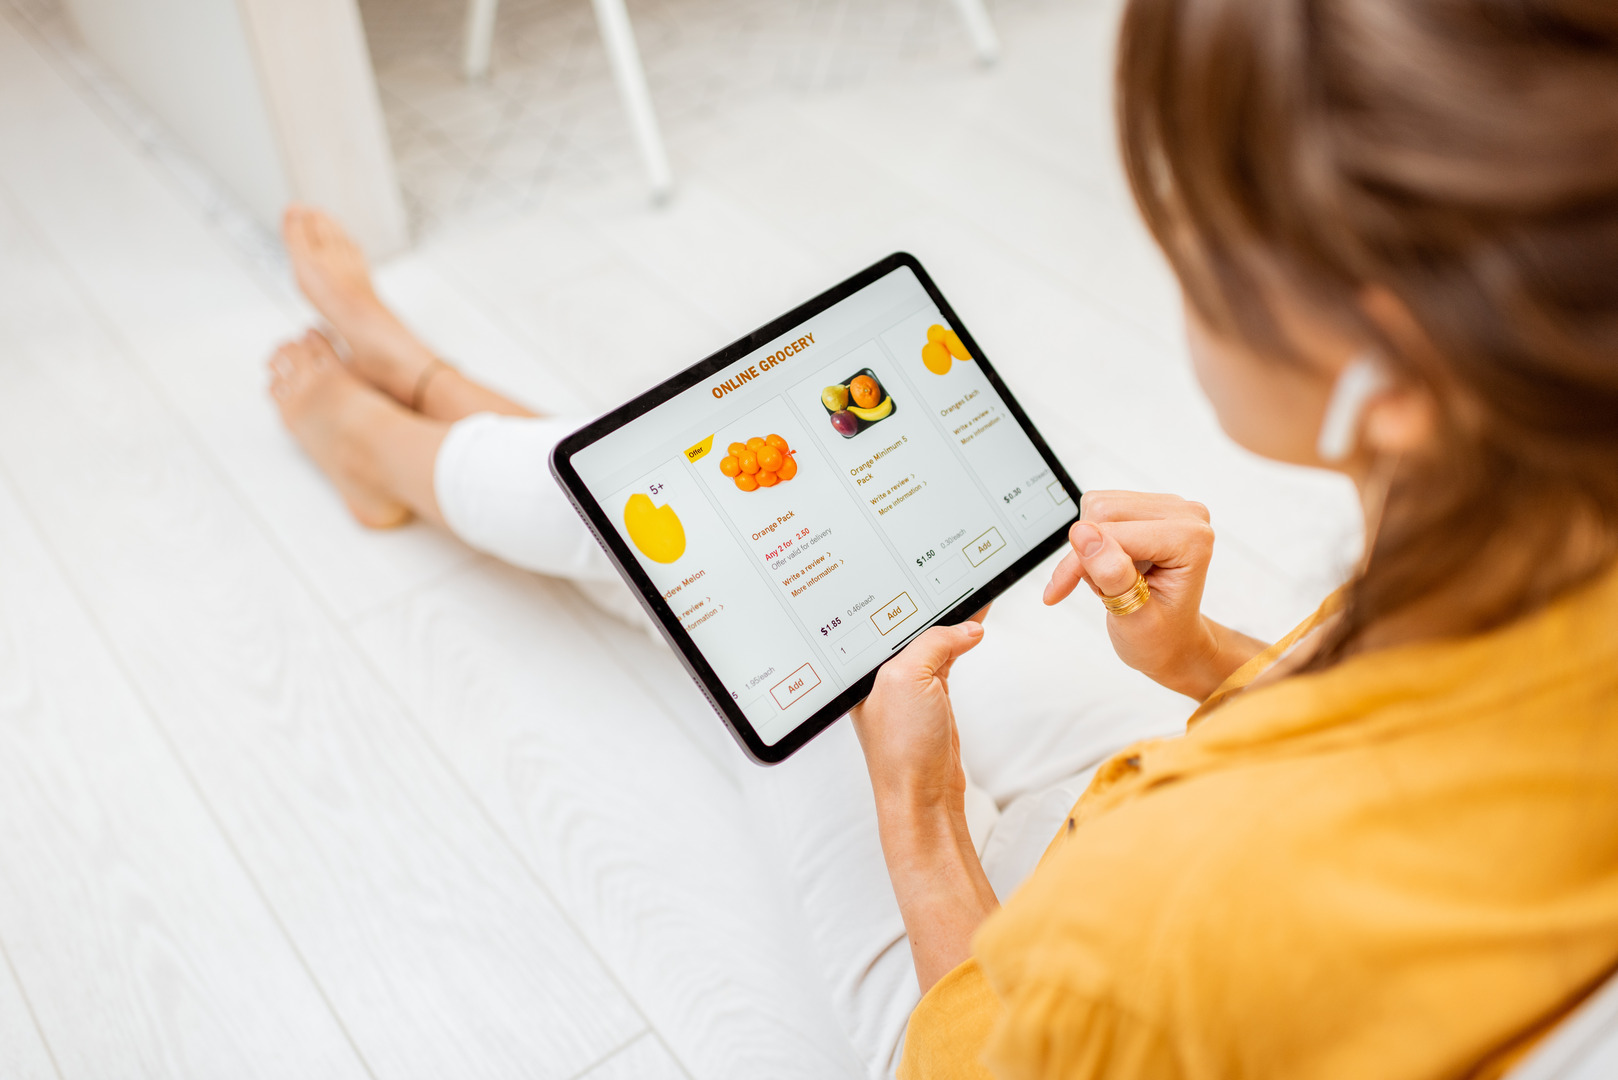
947	572
1032	508
849	644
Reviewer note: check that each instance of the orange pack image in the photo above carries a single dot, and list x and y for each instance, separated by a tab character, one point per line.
760	462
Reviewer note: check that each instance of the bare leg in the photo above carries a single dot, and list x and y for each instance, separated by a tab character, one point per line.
332	273
379	454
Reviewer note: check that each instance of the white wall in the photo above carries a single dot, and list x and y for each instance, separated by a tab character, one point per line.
277	97
190	62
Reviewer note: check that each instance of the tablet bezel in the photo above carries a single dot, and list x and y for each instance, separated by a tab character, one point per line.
606	533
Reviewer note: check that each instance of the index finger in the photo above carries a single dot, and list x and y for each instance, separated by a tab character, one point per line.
1172	543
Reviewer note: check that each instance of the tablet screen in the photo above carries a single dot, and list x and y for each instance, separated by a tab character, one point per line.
811	506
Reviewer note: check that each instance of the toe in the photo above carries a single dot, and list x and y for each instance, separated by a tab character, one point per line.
281	361
320	349
324	228
290	362
282	370
333	237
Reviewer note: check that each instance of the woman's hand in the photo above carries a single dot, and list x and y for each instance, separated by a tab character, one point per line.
907	729
1170	540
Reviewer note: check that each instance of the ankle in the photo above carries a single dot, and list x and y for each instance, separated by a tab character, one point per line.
434	373
390	356
449	395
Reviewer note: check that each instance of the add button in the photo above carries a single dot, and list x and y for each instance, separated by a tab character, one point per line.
794	686
894	612
979	550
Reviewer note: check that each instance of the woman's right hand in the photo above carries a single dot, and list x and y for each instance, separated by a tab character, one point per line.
1170	540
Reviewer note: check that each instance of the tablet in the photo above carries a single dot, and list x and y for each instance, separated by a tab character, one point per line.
795	508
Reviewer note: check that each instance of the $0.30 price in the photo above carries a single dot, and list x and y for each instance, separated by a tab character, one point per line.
1012	494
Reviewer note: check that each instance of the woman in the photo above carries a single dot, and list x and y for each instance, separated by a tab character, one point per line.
1386	845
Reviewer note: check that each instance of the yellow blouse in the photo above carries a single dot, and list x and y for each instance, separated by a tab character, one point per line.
1405	866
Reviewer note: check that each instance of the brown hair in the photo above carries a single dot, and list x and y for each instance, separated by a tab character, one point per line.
1463	156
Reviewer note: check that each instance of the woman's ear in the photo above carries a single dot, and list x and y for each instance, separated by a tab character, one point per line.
1402	418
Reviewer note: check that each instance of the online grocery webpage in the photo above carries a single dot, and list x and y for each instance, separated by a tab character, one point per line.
808	510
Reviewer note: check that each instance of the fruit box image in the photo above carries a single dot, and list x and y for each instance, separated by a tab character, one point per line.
856	403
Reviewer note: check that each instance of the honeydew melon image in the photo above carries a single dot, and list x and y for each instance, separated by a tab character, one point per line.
655	530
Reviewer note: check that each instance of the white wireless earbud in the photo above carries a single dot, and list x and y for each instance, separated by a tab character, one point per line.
1359	382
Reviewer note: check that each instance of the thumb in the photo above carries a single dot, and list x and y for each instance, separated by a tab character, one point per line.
935	650
1110	569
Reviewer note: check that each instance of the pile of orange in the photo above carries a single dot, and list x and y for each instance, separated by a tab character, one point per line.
943	348
759	462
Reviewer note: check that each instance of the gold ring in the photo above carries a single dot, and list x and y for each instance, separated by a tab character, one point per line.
1131	599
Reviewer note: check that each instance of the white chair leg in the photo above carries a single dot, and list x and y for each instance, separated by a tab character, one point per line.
619	39
479	41
980	30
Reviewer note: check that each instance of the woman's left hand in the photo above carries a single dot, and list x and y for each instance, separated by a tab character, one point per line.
907	730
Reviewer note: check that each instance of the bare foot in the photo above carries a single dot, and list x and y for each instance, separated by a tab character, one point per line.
327	410
331	272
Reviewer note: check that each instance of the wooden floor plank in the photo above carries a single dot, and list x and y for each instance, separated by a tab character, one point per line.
644	1059
636	825
436	948
144	948
23	1053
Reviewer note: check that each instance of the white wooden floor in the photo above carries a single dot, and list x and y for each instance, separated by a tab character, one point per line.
280	797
